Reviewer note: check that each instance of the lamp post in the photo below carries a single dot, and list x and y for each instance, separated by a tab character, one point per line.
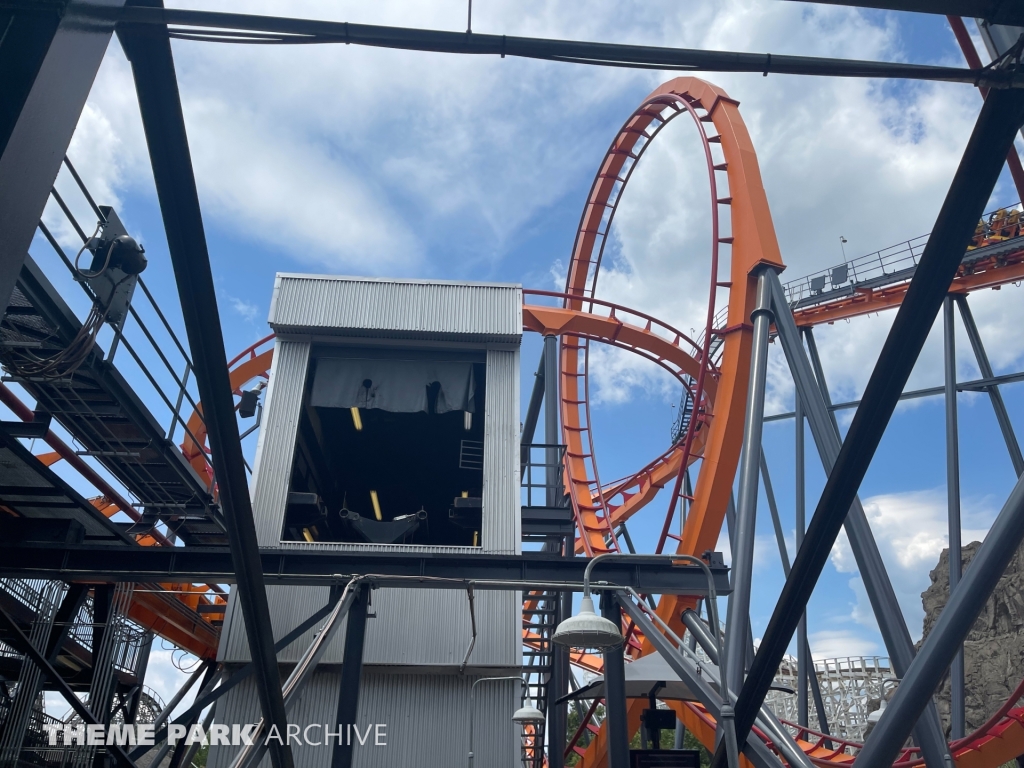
588	630
525	715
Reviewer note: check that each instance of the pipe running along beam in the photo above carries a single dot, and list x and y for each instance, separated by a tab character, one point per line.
212	26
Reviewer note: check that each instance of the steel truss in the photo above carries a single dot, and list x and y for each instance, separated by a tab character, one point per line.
61	46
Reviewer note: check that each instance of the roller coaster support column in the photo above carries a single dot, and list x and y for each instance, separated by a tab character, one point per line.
947	636
148	48
558	684
552	435
351	675
957	714
803	648
48	62
985	367
533	410
615	690
1001	116
737	625
825	432
799	504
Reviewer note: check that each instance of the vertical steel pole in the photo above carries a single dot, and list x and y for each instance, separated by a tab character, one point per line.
957	713
551	432
800	505
985	367
533	410
615	690
351	675
737	626
803	648
809	379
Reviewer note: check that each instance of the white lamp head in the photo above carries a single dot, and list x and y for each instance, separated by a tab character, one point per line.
587	630
528	714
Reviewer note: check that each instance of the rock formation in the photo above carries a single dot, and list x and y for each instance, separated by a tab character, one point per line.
994	649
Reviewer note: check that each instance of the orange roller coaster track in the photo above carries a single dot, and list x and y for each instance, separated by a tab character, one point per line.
714	371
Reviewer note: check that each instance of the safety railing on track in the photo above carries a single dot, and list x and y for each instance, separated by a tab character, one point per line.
163	364
898	259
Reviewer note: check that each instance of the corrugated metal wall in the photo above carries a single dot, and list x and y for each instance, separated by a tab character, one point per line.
502	528
275	450
397	308
413	626
426	719
415	629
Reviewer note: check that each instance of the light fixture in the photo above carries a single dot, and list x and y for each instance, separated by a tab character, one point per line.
357	420
527	715
467	420
376	505
587	630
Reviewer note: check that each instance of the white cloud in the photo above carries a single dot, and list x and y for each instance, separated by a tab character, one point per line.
911	529
246	309
839	643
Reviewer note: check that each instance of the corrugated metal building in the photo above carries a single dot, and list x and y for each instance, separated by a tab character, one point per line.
418	638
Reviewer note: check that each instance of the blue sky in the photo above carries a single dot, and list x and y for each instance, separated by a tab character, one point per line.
359	161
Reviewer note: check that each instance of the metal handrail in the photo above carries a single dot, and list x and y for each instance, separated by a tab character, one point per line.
878	264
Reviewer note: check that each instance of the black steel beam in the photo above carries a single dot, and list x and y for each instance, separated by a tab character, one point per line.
1000	118
89	562
22	644
48	61
993	11
617	719
351	676
241	28
63	620
149	50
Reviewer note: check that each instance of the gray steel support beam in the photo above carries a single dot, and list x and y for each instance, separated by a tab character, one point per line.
957	711
1002	417
533	409
1001	116
351	676
813	390
803	659
615	691
698	680
737	626
149	50
552	435
48	63
803	648
767	720
938	649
